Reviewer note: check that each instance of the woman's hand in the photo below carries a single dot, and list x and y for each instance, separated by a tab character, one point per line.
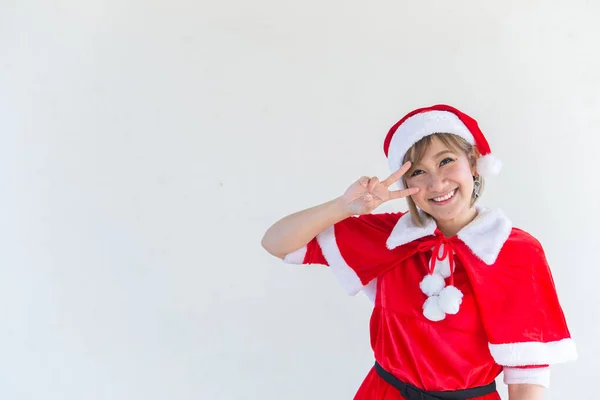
366	194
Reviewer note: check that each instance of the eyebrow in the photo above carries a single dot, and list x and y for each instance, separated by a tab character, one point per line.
414	166
442	152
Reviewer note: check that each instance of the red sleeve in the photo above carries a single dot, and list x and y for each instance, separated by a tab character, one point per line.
520	308
309	254
354	248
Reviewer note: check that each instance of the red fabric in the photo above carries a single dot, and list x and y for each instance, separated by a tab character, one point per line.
360	240
451	354
314	255
435	243
515	296
375	388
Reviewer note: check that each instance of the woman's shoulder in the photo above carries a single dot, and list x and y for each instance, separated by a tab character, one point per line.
384	222
522	239
496	231
522	247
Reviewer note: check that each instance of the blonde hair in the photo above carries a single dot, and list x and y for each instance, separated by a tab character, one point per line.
416	153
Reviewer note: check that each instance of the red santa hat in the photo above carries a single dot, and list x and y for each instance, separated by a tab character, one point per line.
440	118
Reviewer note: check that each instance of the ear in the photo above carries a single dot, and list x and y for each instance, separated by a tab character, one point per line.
474	155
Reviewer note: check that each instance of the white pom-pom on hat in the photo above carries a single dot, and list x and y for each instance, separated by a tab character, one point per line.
432	309
450	299
432	284
488	166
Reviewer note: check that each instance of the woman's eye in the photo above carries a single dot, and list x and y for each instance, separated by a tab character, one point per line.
417	172
446	161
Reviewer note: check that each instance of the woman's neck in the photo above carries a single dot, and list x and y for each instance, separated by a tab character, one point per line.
452	226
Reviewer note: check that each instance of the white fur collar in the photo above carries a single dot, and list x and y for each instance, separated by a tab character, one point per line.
485	235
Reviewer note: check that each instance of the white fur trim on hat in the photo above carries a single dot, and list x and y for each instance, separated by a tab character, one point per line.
417	127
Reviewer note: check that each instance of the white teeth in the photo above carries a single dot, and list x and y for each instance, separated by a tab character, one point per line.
446	197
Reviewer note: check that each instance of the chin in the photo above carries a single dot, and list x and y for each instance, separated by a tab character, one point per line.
441	216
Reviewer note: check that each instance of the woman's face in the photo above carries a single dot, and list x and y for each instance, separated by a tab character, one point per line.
445	179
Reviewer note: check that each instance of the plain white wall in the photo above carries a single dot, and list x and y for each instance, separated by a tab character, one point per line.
145	147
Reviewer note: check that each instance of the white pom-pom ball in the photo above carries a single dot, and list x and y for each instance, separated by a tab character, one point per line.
432	284
432	310
450	299
488	165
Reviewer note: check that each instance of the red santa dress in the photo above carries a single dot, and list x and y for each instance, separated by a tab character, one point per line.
449	313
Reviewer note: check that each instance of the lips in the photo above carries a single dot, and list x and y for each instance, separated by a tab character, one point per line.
445	197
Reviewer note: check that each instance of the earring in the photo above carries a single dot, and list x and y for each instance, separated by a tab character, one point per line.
476	186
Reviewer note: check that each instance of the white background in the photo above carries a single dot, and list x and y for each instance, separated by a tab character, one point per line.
146	146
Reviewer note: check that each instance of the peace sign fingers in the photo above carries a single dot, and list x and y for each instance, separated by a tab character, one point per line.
396	175
398	194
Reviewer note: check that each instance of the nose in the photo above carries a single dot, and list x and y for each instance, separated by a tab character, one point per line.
437	182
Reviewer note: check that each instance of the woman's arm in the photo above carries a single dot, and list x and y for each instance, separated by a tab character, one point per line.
362	197
525	391
296	230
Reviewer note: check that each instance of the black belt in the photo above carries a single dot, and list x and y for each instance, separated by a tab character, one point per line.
411	392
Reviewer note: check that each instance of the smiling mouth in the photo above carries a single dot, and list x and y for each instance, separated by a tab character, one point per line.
444	198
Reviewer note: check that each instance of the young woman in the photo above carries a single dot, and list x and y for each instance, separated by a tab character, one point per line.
459	294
